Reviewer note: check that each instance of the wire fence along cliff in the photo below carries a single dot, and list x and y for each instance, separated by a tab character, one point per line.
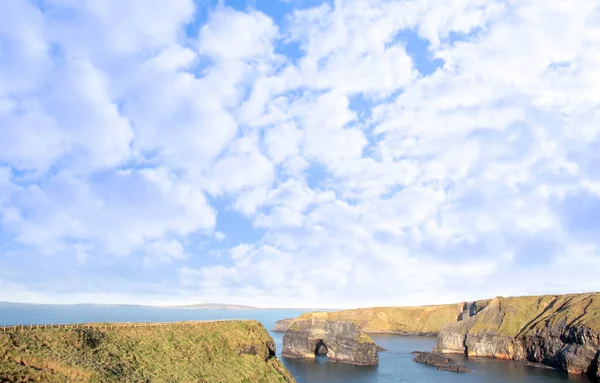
115	325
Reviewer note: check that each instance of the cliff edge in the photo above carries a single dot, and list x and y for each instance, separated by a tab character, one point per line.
233	351
282	325
561	331
417	320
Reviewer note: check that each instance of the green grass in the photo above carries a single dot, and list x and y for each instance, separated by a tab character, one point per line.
504	316
516	315
418	319
208	352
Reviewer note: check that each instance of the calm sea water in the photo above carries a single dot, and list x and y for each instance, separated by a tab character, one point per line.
395	364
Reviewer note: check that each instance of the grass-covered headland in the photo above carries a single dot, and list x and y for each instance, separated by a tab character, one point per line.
221	351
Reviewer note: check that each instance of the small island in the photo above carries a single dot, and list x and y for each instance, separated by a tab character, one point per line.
440	362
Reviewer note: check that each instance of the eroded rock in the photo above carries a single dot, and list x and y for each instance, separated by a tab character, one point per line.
560	332
440	362
341	340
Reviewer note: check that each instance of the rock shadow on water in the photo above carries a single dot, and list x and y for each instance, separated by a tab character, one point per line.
517	371
321	369
321	348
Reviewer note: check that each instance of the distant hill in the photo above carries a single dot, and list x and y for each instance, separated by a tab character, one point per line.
213	306
198	306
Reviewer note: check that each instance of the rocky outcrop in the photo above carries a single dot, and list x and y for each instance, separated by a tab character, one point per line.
440	362
282	325
341	340
559	331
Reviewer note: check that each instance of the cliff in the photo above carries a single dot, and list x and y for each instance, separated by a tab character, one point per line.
418	320
342	341
231	351
559	331
282	325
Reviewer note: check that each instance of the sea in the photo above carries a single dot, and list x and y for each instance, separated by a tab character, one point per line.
395	364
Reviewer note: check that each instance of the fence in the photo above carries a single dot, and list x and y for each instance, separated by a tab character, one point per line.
114	325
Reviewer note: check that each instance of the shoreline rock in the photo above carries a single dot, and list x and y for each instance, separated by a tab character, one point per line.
440	362
342	342
558	331
562	332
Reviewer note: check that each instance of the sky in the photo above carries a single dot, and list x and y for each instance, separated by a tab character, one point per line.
298	153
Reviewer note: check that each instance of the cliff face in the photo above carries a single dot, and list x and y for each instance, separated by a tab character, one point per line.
341	340
558	331
240	351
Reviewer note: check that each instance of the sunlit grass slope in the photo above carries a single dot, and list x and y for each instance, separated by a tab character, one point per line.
513	316
505	315
415	320
228	352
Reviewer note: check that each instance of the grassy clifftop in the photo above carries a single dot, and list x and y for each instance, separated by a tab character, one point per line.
240	351
417	320
517	315
505	316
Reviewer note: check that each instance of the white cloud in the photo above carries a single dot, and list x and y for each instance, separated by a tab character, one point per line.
163	251
234	35
236	172
282	141
364	180
115	215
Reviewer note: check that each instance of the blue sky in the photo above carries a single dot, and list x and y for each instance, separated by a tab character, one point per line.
298	153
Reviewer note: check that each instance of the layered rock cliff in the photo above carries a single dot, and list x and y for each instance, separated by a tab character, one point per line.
342	341
236	351
558	331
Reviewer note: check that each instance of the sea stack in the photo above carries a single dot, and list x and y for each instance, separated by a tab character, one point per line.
341	341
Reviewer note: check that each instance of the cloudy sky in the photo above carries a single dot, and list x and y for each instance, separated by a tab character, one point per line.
298	153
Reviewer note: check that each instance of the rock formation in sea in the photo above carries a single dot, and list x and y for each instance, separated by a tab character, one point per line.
560	331
342	341
282	325
440	362
229	351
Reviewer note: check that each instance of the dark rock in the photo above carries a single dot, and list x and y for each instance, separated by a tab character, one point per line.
469	309
321	349
440	362
341	340
246	350
379	348
555	335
